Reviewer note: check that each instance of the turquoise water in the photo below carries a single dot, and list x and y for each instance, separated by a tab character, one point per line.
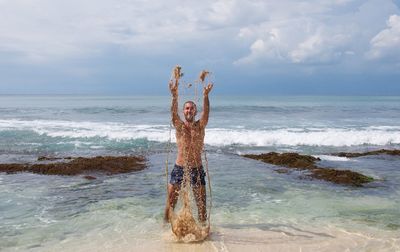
39	212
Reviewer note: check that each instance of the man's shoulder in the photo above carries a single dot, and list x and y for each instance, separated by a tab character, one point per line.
177	123
199	124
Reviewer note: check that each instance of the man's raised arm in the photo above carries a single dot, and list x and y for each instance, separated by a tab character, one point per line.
173	87
206	105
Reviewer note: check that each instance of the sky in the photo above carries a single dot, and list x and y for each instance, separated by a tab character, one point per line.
129	47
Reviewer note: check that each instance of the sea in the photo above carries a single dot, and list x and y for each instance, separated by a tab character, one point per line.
252	205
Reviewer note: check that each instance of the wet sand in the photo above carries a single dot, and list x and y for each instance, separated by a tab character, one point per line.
256	238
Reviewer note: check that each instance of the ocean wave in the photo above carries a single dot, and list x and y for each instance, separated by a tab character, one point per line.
72	129
115	110
323	136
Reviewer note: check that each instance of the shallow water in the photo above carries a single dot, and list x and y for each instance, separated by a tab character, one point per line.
41	211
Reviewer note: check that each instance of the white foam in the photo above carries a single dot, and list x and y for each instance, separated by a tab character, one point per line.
374	135
332	158
110	130
322	137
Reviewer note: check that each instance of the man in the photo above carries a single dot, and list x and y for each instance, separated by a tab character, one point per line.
190	141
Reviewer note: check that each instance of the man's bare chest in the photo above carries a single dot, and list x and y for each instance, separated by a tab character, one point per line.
193	133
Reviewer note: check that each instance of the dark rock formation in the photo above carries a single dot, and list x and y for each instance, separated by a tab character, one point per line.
291	160
44	158
344	177
305	162
368	153
80	165
88	177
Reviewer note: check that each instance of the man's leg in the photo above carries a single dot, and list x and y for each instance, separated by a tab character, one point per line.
199	192
173	194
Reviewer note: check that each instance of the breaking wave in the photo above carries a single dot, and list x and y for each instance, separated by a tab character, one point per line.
373	135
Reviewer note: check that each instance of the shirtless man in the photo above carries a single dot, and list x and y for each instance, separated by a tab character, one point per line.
190	142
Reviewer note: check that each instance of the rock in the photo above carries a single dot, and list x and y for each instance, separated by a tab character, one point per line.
88	177
305	162
344	177
368	153
44	158
80	165
282	170
291	160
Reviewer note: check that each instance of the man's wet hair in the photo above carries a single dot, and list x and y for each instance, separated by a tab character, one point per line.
192	102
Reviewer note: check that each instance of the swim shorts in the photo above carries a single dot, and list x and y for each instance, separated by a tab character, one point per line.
195	174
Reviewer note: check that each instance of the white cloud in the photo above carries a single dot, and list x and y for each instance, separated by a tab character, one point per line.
267	47
386	44
44	29
40	30
301	40
254	31
221	11
310	47
315	32
320	48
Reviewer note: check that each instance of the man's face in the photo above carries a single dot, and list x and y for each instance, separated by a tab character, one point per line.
189	111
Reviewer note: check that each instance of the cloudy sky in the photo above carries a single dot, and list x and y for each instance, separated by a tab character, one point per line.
250	46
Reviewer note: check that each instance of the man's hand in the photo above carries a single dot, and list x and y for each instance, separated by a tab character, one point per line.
207	89
174	88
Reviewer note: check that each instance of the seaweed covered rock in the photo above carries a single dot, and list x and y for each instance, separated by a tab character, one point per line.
306	162
80	165
291	160
343	177
368	153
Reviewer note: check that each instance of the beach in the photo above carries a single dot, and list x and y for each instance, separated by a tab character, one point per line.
253	206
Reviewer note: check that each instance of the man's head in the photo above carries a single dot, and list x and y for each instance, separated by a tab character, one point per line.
189	111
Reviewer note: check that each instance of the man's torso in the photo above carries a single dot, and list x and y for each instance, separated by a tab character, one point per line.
190	141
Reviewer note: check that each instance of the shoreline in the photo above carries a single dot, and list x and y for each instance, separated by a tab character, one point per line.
262	238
